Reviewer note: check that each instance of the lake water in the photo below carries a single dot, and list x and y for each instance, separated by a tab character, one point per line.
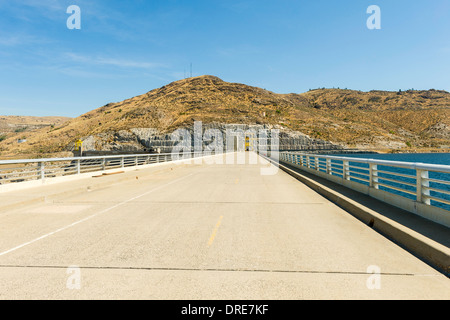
434	158
428	158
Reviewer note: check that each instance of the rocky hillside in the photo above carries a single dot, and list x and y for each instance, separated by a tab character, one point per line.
411	120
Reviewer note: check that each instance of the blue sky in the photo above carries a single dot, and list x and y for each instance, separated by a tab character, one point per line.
126	48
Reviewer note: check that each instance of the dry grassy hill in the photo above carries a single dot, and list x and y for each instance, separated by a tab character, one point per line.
410	120
10	124
19	127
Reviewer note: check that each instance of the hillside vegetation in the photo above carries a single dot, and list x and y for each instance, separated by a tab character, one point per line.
413	120
20	127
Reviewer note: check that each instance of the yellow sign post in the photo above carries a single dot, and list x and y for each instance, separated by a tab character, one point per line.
249	143
78	145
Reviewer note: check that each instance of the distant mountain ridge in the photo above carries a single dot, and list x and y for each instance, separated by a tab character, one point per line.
383	120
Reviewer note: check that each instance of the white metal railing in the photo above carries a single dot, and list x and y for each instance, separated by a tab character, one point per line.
12	171
427	184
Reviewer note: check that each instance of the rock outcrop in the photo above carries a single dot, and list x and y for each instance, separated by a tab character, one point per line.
150	139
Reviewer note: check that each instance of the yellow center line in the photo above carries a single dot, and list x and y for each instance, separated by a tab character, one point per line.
213	235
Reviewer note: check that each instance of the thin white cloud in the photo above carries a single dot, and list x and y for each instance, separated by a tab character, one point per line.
30	10
80	73
12	40
128	63
238	50
53	5
239	7
122	63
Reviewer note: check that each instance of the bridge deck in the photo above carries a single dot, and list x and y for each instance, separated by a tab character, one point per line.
200	232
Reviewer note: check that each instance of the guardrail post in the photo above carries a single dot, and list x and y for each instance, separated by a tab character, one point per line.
425	185
78	166
373	176
316	163
103	164
122	162
422	183
328	166
345	170
41	170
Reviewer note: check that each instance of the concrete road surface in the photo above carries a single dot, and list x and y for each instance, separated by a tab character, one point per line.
201	232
